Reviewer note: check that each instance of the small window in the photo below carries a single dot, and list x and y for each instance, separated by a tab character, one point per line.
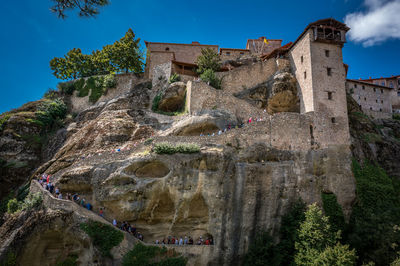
333	119
383	83
167	49
327	53
381	91
381	101
305	74
329	71
374	89
329	95
363	87
228	53
370	108
301	59
355	85
365	99
380	109
242	53
376	101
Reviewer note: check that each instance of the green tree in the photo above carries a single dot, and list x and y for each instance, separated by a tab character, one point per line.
87	8
125	55
209	59
318	243
262	251
333	210
376	215
74	65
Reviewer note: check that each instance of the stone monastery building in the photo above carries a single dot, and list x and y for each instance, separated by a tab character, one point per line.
315	59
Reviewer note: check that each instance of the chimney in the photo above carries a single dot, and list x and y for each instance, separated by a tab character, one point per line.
195	43
370	77
359	78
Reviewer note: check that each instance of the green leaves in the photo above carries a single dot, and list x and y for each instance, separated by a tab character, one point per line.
122	56
209	59
87	8
104	236
318	244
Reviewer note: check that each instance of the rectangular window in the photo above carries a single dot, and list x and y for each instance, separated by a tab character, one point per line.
380	109
327	53
355	85
305	74
329	95
381	91
365	99
363	87
333	119
329	71
242	53
228	53
301	59
381	101
383	83
374	89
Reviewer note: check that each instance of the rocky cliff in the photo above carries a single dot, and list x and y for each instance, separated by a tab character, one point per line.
236	185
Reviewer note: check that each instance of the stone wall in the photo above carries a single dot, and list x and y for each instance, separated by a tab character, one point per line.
247	76
161	72
157	58
232	54
124	83
300	60
374	101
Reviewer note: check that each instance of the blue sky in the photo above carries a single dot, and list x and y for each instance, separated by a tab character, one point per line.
32	35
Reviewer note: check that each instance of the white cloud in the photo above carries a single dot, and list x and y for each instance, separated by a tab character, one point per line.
380	22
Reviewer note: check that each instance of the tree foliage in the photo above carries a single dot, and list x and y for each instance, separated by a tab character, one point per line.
87	8
122	56
209	59
104	236
373	228
209	76
334	211
142	255
318	244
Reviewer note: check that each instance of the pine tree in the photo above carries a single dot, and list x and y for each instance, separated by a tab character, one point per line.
318	244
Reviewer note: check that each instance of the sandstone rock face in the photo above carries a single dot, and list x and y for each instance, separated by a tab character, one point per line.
173	98
374	140
277	94
235	185
220	192
20	147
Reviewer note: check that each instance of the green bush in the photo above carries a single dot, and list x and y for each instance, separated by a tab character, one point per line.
211	78
51	111
67	87
11	260
95	84
104	236
79	85
334	211
156	102
30	202
71	260
167	148
142	255
396	116
174	78
13	206
50	94
148	141
3	120
109	81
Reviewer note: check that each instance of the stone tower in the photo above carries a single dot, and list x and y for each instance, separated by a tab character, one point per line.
317	62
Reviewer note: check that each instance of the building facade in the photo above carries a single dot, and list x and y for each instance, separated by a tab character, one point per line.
375	100
317	62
